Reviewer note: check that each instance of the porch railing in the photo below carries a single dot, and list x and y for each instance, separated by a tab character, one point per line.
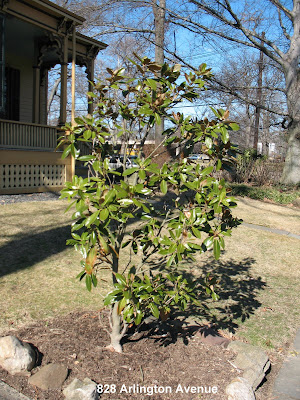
23	171
27	136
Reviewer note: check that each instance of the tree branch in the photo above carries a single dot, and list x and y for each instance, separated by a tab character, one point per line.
121	29
286	11
226	89
250	35
282	26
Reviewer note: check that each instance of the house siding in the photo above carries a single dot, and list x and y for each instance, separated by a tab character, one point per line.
26	84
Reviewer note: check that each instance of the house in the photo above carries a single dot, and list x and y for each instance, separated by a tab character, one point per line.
36	35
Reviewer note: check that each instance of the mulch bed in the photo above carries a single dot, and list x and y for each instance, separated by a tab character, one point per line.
78	342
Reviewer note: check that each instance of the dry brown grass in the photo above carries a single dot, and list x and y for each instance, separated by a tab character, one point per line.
267	214
37	276
258	271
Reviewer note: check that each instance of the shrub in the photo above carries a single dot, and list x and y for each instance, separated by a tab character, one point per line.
112	216
256	169
278	194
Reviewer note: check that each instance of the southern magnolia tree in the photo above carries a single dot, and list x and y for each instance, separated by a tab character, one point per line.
115	212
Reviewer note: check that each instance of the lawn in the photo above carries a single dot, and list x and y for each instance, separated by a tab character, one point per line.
258	272
279	194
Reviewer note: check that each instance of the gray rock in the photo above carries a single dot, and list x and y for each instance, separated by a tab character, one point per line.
78	390
240	389
16	357
9	393
254	376
253	360
51	376
248	355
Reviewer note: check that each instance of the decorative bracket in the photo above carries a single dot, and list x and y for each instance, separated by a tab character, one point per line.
4	4
53	42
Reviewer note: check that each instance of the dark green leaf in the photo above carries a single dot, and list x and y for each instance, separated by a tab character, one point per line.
80	275
216	249
157	118
120	279
104	214
88	282
138	318
86	158
208	242
208	142
163	187
91	219
130	171
154	310
66	152
142	174
234	126
196	232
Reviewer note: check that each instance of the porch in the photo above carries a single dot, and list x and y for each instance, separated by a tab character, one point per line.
27	136
28	160
35	36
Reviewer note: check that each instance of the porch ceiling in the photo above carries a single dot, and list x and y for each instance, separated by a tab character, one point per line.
21	39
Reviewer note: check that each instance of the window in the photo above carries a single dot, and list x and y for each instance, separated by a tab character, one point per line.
12	78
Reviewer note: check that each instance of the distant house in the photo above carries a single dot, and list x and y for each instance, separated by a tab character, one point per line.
36	35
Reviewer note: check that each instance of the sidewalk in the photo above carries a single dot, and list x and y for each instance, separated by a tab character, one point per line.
287	383
273	230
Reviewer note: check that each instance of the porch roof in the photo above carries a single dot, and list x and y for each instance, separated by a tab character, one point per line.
48	15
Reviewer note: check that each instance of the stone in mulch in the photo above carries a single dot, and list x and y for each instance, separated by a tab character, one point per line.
81	390
51	376
208	336
16	357
253	360
240	389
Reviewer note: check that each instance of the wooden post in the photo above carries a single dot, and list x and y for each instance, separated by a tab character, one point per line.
91	77
36	94
73	74
63	84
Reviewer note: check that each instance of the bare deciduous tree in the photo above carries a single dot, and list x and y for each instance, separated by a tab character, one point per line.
271	26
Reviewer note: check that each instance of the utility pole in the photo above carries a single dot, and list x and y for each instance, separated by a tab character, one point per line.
159	11
259	97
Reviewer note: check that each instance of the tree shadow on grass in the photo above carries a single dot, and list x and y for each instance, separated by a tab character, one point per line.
238	289
24	251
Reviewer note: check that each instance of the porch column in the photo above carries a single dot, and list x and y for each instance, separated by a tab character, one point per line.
63	84
73	73
91	77
36	94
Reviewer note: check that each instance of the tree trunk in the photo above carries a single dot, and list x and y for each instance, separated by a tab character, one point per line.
117	325
259	98
118	329
291	170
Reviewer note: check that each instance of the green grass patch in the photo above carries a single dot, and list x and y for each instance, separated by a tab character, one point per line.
278	194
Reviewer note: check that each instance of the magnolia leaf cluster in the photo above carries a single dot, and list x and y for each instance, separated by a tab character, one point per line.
116	210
